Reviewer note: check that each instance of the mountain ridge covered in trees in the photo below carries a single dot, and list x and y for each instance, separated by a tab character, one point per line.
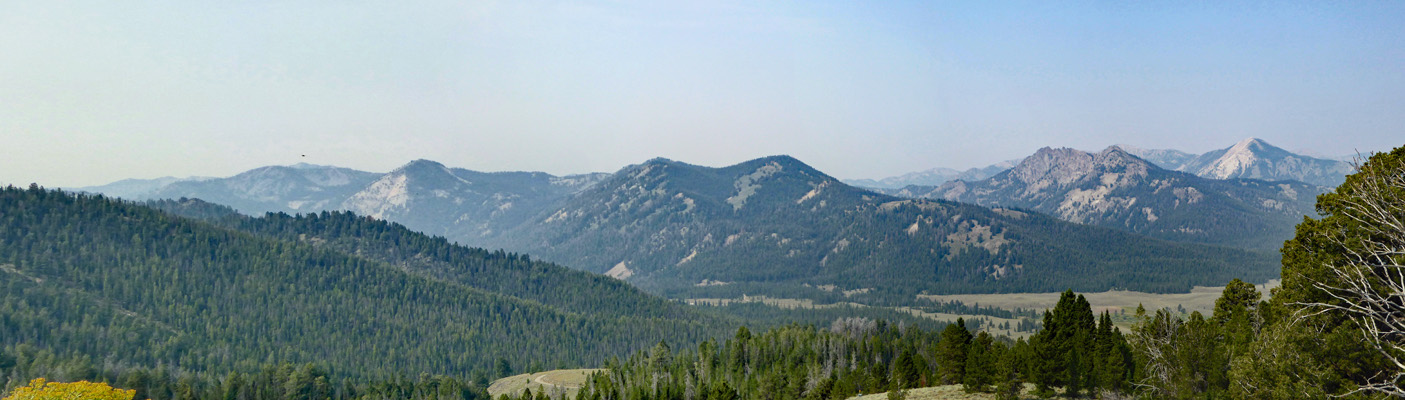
90	275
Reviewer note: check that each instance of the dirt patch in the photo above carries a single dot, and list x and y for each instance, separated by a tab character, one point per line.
555	383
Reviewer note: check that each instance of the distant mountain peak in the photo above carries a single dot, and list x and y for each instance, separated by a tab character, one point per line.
1246	159
1062	165
423	163
1251	158
1117	189
781	158
1250	142
1116	151
1065	165
303	165
1119	155
427	169
660	160
787	164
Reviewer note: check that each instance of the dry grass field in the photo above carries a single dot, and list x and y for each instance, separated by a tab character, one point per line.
774	302
948	392
1200	298
1121	303
561	381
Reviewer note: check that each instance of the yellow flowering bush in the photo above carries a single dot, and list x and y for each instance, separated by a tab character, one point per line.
39	389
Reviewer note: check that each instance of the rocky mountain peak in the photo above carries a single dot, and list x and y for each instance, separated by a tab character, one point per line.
1244	159
1062	165
1115	159
1249	144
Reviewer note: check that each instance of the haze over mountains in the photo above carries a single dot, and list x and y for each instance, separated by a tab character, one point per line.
934	176
1250	158
763	225
1116	189
668	225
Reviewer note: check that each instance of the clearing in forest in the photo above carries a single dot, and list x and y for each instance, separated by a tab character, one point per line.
555	382
947	392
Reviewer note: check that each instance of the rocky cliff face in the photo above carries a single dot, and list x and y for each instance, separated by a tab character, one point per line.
1116	189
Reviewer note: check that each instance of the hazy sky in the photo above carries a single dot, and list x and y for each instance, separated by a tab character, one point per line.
92	92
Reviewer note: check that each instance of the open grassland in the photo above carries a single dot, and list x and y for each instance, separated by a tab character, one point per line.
788	304
948	392
1200	299
1122	304
555	383
991	325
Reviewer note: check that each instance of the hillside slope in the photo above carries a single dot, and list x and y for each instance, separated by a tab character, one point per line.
130	284
1117	190
776	222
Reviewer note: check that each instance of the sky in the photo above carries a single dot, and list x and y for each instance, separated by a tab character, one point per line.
96	91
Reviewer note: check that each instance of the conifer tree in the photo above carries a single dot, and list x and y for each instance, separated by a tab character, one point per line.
952	352
980	364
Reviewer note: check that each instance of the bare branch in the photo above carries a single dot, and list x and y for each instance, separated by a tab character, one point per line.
1367	287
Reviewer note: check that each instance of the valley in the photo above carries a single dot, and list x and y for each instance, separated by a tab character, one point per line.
689	254
701	200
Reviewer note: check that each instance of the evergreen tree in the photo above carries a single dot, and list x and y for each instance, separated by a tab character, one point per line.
1010	371
952	352
1334	326
905	372
981	364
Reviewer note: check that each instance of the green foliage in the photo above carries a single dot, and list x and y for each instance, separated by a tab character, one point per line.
982	361
1011	371
90	276
266	382
951	352
1311	345
853	356
1077	352
1192	358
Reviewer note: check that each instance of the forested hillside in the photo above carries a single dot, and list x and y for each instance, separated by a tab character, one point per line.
435	257
91	276
1079	353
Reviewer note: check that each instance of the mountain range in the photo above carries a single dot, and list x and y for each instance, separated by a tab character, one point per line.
423	195
775	222
1251	158
934	176
1116	189
764	226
